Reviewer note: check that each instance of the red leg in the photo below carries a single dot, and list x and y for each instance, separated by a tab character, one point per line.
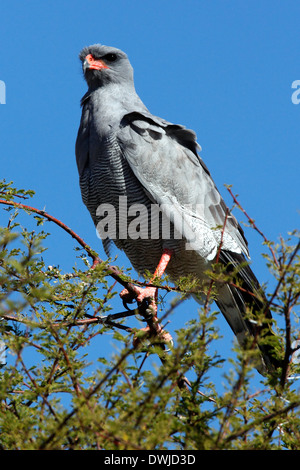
153	327
163	263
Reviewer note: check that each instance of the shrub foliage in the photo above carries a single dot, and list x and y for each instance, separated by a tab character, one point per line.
55	393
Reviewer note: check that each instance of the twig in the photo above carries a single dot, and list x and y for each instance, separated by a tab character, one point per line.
107	320
44	444
297	248
252	222
267	418
112	270
217	260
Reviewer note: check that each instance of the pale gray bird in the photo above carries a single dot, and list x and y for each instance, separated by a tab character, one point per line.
132	161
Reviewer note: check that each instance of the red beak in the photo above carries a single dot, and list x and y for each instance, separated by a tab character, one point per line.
91	63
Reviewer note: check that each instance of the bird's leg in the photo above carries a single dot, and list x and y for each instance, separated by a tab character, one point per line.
149	294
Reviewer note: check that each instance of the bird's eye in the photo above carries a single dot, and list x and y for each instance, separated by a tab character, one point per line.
110	57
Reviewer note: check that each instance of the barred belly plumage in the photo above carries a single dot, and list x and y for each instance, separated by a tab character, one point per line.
111	182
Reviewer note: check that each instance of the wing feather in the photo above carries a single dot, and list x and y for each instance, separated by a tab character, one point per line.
164	158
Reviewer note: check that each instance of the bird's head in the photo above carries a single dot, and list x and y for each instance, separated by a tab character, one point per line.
103	64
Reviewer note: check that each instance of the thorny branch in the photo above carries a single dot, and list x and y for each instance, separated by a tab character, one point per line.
217	260
252	223
289	351
96	260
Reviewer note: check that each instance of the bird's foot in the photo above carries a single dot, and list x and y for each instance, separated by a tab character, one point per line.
146	298
139	294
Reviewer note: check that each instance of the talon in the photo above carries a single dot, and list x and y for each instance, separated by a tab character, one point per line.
167	338
127	297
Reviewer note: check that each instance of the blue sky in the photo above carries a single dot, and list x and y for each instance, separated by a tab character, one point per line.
224	69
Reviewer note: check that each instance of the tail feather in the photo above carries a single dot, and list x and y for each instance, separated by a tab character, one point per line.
235	302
